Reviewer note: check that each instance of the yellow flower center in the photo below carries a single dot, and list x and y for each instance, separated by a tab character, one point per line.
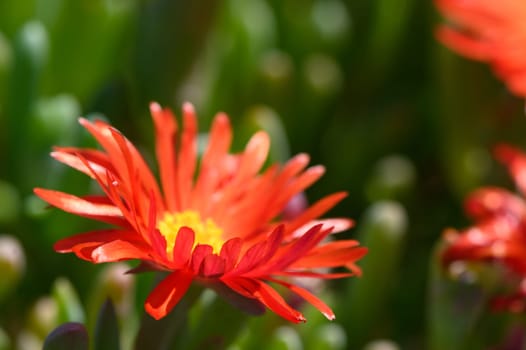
206	231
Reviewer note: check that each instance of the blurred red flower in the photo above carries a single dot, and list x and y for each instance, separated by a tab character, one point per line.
216	220
499	232
490	31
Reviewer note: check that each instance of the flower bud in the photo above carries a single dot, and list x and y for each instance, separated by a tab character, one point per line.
5	342
382	231
115	284
56	119
28	340
276	72
43	317
393	178
328	336
285	338
69	336
10	199
12	263
381	345
6	58
323	75
331	20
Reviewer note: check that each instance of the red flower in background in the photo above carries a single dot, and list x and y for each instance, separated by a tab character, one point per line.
215	221
489	31
499	232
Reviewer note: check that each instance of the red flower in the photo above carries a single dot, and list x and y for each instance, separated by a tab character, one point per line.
490	31
499	233
216	221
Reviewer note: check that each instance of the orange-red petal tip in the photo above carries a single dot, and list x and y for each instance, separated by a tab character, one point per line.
188	108
155	107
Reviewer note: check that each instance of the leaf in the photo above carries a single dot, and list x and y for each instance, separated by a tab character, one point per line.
106	335
70	308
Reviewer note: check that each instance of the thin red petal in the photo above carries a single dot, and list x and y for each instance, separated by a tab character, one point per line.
489	201
168	293
464	44
250	211
165	133
67	245
83	207
119	250
251	161
254	156
230	252
249	304
184	241
515	161
187	160
133	183
200	252
212	266
101	132
309	297
107	184
297	249
156	239
266	295
318	275
337	224
293	187
259	254
98	160
216	151
330	258
123	154
316	210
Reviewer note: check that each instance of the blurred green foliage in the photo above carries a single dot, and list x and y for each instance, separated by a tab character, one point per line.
362	86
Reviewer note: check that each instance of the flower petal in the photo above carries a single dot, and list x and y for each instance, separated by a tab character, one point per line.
254	156
489	201
265	294
259	254
230	252
67	245
337	224
249	305
198	255
214	156
212	266
515	161
125	158
168	293
464	44
309	297
297	249
318	275
330	258
84	207
119	250
315	211
70	156
165	133
187	159
292	187
184	241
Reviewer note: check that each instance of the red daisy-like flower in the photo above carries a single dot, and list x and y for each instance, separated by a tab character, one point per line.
499	232
216	221
490	31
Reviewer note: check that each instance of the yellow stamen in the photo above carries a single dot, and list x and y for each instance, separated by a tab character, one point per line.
206	232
